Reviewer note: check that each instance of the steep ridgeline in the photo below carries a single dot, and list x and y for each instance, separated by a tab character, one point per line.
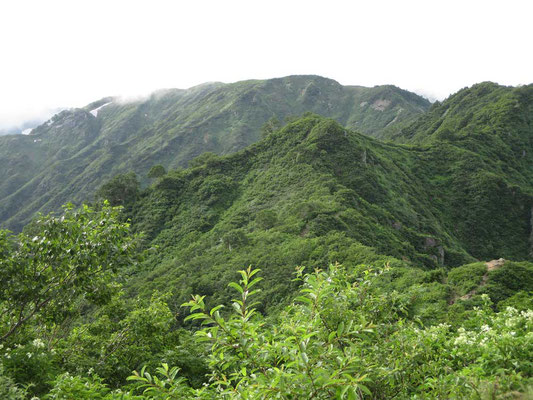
478	163
67	158
314	193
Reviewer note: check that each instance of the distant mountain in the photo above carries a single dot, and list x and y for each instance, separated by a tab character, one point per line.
68	157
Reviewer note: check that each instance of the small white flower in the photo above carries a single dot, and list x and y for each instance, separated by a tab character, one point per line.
29	355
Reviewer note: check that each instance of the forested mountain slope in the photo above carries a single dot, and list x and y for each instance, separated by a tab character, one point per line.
479	144
67	158
315	192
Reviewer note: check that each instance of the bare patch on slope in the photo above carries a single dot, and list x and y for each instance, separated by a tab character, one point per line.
381	104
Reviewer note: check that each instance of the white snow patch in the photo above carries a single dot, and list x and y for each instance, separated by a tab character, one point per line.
95	111
27	131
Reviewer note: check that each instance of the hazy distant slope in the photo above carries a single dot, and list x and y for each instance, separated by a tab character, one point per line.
70	156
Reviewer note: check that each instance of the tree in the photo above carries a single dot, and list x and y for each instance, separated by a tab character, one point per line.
203	159
270	126
68	258
121	190
266	219
157	171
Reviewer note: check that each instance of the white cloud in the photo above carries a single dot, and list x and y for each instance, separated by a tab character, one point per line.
66	53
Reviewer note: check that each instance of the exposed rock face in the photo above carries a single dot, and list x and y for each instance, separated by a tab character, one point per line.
495	264
441	255
430	242
397	225
381	104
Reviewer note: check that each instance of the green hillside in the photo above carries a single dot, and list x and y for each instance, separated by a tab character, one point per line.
479	145
315	193
67	158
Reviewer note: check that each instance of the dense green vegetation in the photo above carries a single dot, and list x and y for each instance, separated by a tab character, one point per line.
386	270
315	193
345	336
68	158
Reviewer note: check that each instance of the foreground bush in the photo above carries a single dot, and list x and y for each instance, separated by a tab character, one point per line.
341	338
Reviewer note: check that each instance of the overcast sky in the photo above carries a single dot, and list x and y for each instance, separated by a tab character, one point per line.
69	53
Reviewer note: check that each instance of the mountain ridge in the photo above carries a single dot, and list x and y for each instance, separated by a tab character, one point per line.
67	158
330	194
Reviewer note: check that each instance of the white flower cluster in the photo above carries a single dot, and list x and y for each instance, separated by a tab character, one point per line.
7	354
465	337
509	324
38	343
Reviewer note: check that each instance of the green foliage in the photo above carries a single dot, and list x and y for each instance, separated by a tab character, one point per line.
435	322
70	257
315	193
467	277
8	389
203	159
510	278
52	275
270	126
344	338
157	171
31	363
67	387
266	219
166	386
521	300
121	338
122	190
